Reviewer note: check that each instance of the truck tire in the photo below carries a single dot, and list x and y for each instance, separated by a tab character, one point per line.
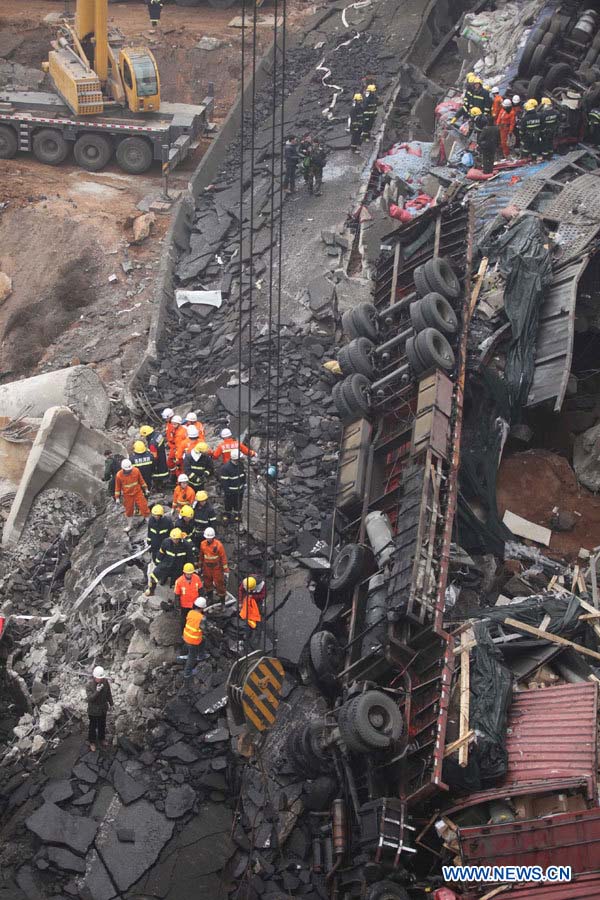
359	356
438	313
387	890
343	410
557	75
374	719
348	735
348	567
326	656
528	51
344	360
348	326
8	142
538	59
134	155
413	358
50	147
92	151
355	391
434	350
421	283
441	278
365	321
535	87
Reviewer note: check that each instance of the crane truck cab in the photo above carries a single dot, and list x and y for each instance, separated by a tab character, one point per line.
141	81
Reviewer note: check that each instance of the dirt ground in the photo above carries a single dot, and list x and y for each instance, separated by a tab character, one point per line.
65	231
530	484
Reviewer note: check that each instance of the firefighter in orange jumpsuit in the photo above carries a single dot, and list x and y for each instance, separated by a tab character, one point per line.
214	565
188	588
178	436
183	495
167	416
130	484
192	419
229	443
496	102
506	124
251	595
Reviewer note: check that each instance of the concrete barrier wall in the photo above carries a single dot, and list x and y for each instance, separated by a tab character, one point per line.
66	455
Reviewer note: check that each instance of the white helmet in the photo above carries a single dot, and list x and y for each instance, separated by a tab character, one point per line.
226	433
506	103
495	90
209	533
167	413
126	465
176	420
516	100
235	454
191	417
192	431
182	479
200	603
98	672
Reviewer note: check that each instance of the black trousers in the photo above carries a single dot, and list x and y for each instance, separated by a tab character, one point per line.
233	500
97	729
355	135
487	161
289	178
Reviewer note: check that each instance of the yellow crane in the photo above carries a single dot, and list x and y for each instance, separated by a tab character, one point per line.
93	71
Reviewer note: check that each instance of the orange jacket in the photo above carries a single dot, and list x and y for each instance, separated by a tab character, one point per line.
180	439
201	432
212	553
129	482
183	495
496	106
506	120
250	611
192	633
188	590
226	446
170	430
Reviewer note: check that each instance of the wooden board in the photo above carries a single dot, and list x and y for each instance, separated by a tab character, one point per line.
526	529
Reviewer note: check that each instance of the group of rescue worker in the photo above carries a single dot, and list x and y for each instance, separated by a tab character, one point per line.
503	123
362	113
183	544
310	154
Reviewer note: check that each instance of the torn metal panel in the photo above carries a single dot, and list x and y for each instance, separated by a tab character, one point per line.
554	347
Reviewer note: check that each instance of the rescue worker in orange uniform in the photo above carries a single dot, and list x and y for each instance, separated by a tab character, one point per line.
183	495
179	436
193	636
251	595
187	589
506	125
229	443
214	565
167	416
496	102
192	419
185	447
130	484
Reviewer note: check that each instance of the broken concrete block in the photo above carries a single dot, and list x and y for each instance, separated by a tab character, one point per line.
141	227
52	825
179	800
586	458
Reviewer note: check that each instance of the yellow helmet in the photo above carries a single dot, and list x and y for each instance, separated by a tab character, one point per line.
201	447
157	510
477	79
486	87
201	495
189	568
357	96
471	77
530	104
249	583
187	511
139	447
175	533
546	101
372	88
474	111
146	430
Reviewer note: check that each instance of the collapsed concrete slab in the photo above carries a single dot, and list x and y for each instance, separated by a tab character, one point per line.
78	387
65	454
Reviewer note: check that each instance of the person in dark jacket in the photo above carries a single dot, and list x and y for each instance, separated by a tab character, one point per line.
143	460
355	122
112	465
198	465
157	446
99	698
205	515
233	483
159	528
174	552
369	111
317	160
291	156
154	11
488	142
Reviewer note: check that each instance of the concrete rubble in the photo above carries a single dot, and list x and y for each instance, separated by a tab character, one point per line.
181	803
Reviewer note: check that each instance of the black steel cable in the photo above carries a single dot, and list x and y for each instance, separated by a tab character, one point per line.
270	313
278	342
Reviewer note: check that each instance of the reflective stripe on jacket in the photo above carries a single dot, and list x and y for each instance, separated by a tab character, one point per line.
129	482
192	633
188	590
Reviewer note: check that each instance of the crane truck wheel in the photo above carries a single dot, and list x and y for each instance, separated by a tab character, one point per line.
92	151
134	155
50	147
8	142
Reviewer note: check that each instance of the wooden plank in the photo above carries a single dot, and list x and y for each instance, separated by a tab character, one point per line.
525	529
548	636
457	744
465	675
478	285
395	273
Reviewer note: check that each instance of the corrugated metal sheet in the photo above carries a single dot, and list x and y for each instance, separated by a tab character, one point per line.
586	887
551	744
554	346
567	839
